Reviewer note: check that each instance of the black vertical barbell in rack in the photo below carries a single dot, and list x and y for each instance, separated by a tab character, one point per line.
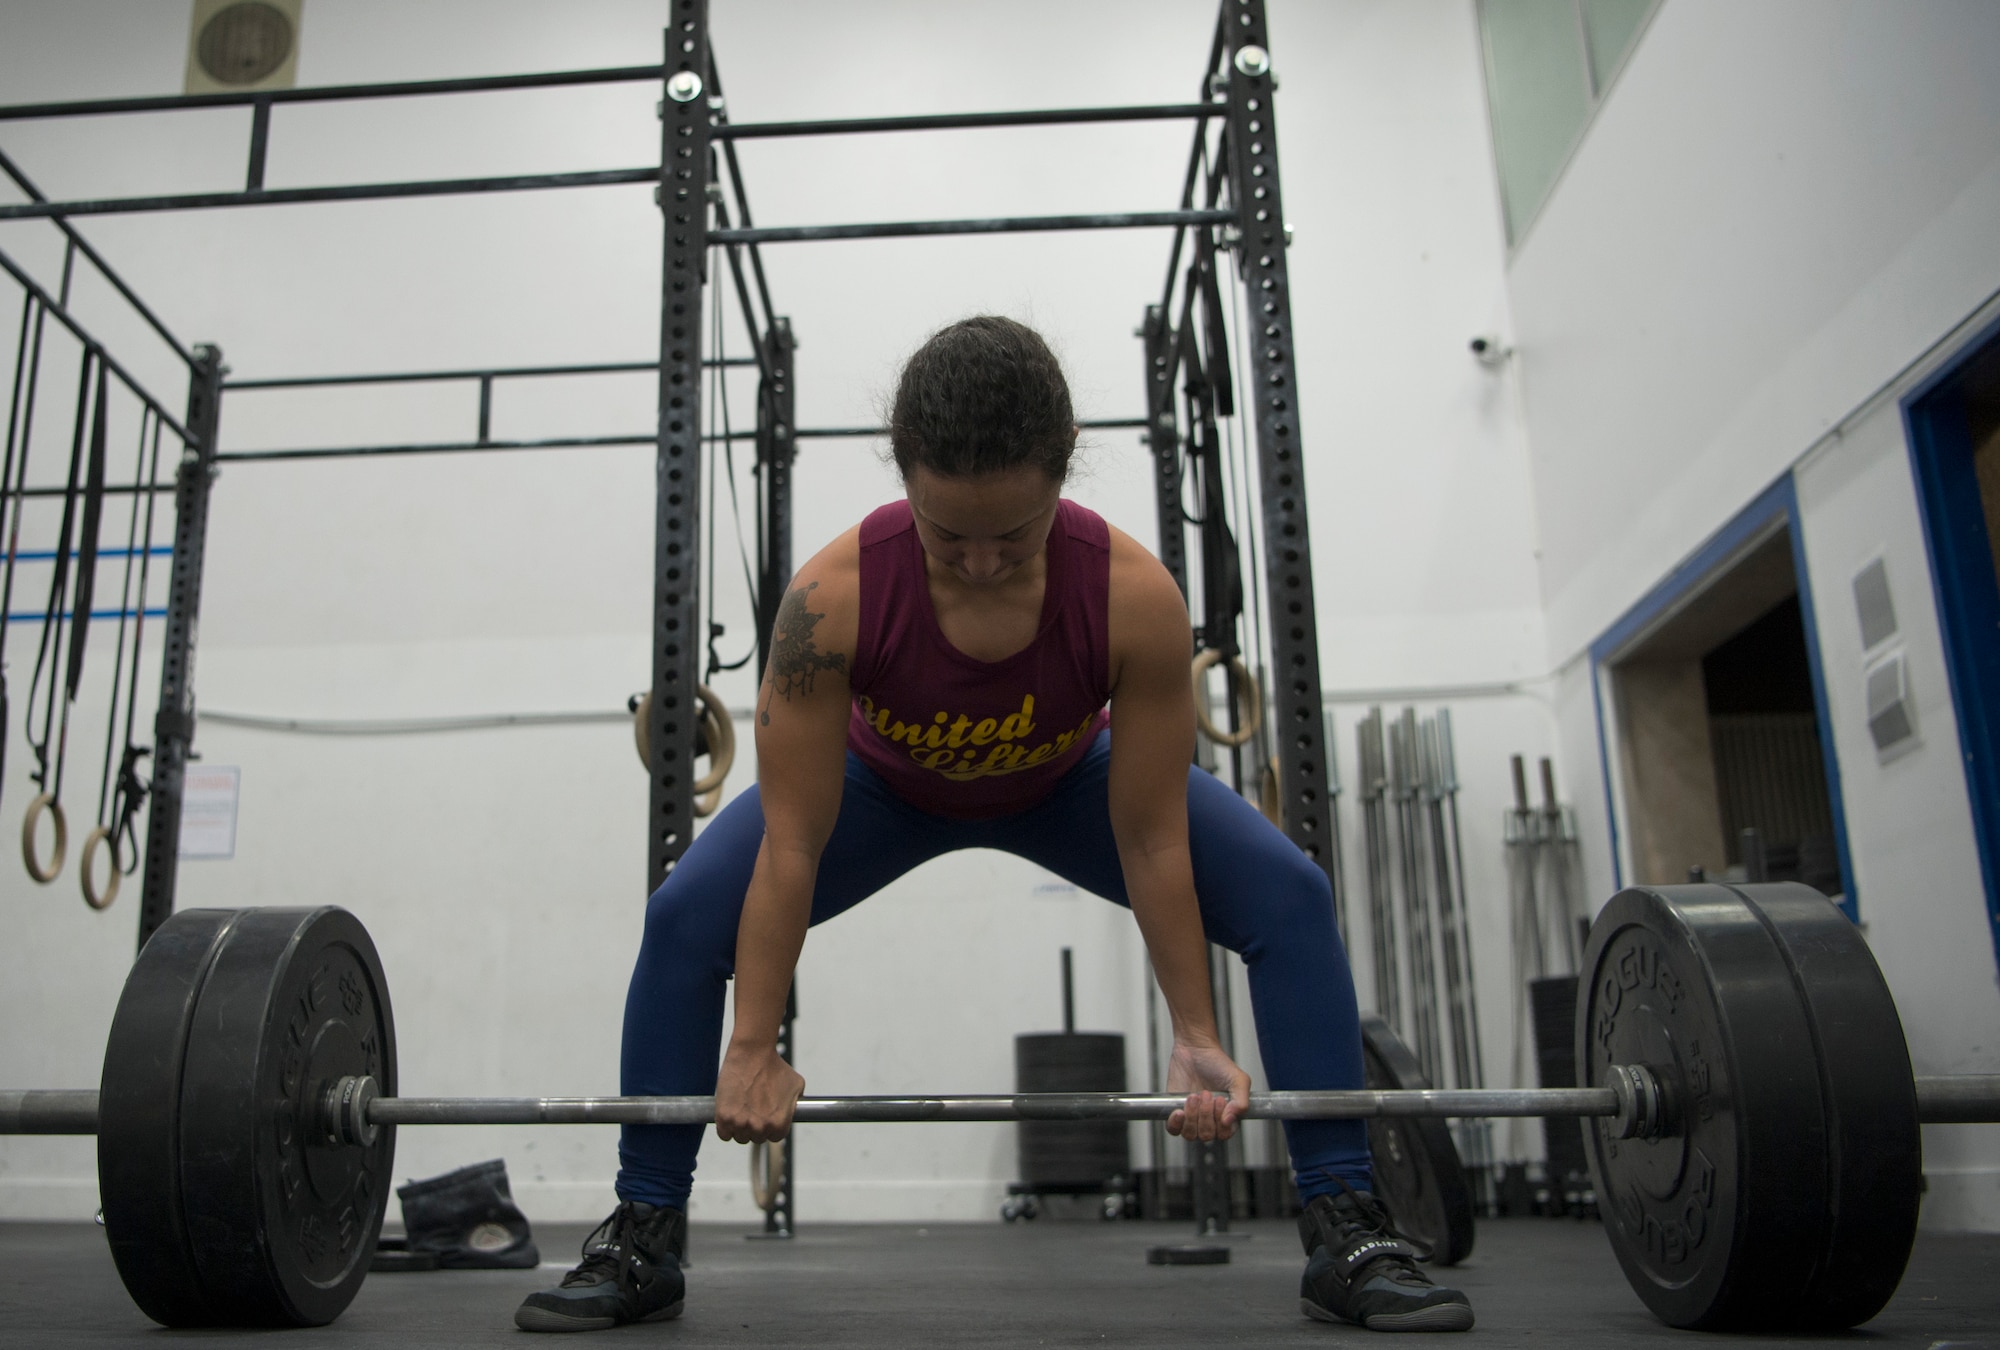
683	199
173	726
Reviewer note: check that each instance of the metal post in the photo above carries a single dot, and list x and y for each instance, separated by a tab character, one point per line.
260	144
173	727
778	1218
1209	1161
1163	435
776	449
1273	404
683	200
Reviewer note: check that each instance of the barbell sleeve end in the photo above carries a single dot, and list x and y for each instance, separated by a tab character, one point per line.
1959	1099
48	1112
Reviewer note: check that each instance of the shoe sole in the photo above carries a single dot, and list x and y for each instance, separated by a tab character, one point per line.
541	1319
1437	1317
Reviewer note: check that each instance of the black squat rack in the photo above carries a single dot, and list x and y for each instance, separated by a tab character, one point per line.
1231	207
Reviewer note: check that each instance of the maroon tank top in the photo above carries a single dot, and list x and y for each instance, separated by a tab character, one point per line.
973	739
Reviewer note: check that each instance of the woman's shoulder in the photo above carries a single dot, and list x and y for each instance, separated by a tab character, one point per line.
1137	577
828	585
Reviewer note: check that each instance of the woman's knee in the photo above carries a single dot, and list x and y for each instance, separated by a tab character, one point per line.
1289	900
685	921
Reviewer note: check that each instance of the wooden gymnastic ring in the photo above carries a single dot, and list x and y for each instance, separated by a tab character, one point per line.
767	1173
721	741
1249	700
45	802
705	804
721	734
716	721
99	835
642	712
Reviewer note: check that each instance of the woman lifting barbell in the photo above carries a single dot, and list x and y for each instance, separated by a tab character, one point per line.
939	679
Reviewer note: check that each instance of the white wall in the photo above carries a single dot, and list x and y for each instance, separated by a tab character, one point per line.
502	871
1779	209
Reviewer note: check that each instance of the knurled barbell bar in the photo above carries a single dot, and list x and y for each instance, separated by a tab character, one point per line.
351	1110
1751	1115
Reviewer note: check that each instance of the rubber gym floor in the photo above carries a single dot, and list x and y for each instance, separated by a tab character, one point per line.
1533	1282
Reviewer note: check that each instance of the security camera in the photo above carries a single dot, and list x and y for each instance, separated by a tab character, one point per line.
1490	351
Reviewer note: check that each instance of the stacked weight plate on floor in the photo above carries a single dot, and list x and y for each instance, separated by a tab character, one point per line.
1079	1156
1417	1167
224	1202
1783	1194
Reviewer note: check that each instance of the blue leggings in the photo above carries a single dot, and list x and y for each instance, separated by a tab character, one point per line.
1260	897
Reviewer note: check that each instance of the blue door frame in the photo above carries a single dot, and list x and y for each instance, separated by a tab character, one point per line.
1776	507
1968	598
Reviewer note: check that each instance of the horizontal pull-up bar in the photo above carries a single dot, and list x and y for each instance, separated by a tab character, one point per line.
832	433
588	442
332	93
1160	112
493	373
435	448
109	489
351	192
897	229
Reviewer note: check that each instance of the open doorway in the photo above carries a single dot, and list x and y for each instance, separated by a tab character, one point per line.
1718	722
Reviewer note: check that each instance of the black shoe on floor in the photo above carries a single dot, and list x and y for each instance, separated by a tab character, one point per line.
631	1272
1360	1269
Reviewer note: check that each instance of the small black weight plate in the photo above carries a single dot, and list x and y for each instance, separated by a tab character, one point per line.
1187	1254
394	1254
1870	1100
1417	1169
283	1222
138	1133
1719	1223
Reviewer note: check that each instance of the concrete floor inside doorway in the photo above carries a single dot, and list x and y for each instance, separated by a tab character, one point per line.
1533	1282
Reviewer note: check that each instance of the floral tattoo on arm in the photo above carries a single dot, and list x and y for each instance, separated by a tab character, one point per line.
795	661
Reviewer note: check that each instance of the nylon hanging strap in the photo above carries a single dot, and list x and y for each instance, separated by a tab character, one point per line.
46	776
118	806
50	647
12	479
86	548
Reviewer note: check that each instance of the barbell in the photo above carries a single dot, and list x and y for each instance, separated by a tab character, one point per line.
1752	1118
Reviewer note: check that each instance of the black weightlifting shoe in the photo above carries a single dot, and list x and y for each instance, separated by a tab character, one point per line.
631	1272
1360	1269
